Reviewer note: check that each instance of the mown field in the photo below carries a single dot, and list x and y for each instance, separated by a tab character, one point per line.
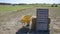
10	21
6	8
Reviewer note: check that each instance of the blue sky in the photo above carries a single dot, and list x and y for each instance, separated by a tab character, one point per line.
30	1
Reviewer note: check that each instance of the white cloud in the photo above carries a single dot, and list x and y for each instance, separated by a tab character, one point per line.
31	1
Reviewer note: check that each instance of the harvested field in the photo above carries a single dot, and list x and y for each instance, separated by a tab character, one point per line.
10	22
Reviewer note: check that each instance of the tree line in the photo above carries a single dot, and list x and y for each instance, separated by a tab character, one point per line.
52	5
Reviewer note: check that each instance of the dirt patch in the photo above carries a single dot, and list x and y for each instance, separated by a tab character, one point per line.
10	24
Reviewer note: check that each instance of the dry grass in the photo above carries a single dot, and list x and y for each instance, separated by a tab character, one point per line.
10	24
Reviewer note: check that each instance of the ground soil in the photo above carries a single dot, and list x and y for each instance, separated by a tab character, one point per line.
10	22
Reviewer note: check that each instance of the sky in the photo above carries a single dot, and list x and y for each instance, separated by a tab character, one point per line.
30	1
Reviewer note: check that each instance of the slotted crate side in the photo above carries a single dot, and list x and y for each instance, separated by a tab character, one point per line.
42	19
41	26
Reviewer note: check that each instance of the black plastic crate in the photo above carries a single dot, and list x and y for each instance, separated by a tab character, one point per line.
42	19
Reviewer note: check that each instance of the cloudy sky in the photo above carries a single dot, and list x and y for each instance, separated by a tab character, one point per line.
30	1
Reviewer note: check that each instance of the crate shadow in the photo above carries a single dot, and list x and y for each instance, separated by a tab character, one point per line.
25	30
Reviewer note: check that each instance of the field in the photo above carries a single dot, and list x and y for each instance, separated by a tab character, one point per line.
12	8
10	17
7	8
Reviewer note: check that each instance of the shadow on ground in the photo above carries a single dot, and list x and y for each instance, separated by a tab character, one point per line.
25	30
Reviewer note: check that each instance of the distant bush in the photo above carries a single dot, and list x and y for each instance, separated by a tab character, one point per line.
54	5
13	5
